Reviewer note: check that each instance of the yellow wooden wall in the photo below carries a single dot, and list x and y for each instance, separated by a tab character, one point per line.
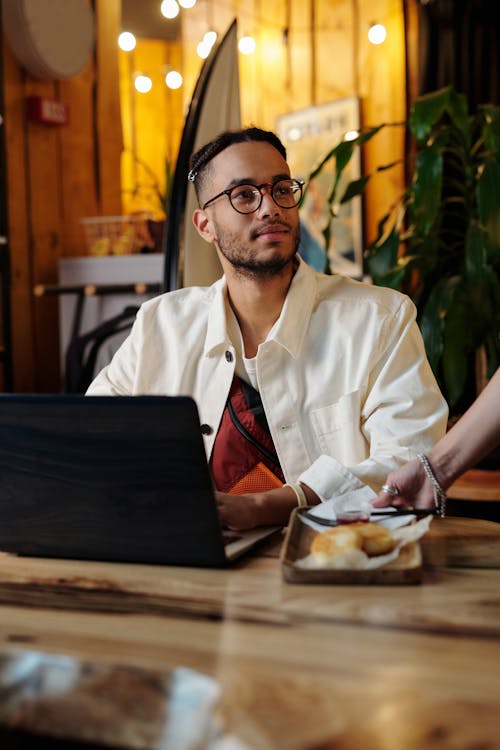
152	123
56	176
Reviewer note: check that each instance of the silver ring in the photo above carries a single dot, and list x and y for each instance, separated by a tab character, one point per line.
390	490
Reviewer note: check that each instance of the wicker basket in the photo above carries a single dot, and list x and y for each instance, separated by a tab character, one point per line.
117	235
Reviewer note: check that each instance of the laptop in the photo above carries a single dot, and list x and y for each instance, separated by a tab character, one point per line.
110	478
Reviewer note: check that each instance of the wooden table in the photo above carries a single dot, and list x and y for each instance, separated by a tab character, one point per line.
240	659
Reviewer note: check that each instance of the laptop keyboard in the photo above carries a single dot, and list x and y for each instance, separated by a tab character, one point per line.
230	536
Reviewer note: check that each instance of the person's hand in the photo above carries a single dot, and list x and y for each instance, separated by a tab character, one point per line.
414	488
238	512
271	508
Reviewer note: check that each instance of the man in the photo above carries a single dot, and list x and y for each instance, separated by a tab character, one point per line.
329	375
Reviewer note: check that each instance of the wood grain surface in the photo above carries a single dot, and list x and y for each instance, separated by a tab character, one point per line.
295	667
450	600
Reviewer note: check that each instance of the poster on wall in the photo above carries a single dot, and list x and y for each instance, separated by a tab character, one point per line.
308	135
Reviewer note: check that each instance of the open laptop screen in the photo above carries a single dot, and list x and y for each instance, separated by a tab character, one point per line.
106	478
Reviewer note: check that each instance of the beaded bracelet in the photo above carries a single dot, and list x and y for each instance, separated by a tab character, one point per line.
439	495
299	493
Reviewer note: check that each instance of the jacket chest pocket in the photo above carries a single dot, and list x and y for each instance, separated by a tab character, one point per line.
338	429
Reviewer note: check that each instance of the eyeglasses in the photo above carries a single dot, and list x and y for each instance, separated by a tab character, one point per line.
245	199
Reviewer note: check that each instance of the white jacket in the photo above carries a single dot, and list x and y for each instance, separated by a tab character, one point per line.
344	380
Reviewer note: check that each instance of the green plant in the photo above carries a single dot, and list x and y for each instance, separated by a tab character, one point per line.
440	242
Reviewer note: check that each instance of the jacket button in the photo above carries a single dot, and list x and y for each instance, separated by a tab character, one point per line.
206	429
229	357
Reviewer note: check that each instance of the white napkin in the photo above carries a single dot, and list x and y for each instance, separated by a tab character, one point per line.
355	500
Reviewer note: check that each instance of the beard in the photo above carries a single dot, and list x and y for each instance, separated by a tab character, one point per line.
250	262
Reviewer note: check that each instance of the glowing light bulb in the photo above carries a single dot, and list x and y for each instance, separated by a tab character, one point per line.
206	44
143	84
294	134
203	50
351	135
126	41
187	3
210	37
173	79
247	45
377	33
169	8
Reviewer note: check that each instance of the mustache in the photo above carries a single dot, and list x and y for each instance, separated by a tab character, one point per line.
270	225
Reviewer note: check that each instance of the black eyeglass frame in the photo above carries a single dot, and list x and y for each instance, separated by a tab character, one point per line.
270	185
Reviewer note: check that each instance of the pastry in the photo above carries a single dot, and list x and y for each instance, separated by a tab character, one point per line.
336	541
375	539
371	538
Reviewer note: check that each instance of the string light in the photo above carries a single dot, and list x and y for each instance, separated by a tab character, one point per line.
210	37
202	50
127	41
187	3
377	33
204	47
142	83
351	135
169	8
247	45
173	79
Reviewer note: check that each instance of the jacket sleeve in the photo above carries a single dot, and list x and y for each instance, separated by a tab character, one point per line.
118	378
402	412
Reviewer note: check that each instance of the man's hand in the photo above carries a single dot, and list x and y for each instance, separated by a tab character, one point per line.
238	512
272	508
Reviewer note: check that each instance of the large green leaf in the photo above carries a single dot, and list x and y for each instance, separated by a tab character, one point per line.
354	188
488	201
433	316
342	154
383	258
491	128
475	256
363	137
455	350
472	321
395	277
427	189
429	109
457	109
426	111
357	187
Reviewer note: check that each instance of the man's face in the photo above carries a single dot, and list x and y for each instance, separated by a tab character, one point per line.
262	243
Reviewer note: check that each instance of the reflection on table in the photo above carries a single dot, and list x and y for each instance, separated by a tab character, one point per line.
153	657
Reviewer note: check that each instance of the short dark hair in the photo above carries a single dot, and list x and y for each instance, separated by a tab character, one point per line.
201	159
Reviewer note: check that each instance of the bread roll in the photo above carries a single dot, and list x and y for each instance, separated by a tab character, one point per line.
371	538
375	539
336	541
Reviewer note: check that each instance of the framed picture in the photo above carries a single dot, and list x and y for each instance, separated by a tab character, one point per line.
308	134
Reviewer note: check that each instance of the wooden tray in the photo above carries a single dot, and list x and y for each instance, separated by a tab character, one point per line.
407	569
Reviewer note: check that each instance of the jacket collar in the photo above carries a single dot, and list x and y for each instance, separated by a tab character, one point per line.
290	328
217	334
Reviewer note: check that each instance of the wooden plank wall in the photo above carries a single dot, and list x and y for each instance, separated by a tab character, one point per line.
308	52
56	176
152	124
